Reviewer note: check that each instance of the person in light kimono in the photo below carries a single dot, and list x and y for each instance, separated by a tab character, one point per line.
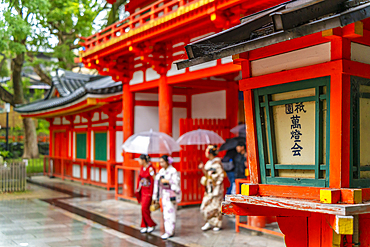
167	186
214	194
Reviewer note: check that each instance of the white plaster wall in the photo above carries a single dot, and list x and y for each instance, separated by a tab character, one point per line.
95	117
84	172
119	142
104	116
119	123
225	60
360	53
65	121
138	77
151	75
104	175
177	114
81	126
209	105
76	171
83	120
174	71
203	66
292	60
146	96
179	98
100	124
57	121
77	119
146	118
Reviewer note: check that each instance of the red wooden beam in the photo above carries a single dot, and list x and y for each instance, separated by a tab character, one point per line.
240	209
304	73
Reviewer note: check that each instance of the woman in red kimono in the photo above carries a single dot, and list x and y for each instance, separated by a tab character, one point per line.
144	192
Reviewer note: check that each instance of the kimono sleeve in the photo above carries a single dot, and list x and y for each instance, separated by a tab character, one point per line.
218	176
155	196
175	181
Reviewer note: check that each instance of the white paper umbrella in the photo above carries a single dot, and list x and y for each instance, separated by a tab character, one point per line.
239	130
150	142
200	137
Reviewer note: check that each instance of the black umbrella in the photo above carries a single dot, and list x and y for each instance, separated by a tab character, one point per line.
231	143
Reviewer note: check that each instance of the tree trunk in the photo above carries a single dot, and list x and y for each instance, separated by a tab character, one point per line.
30	140
31	149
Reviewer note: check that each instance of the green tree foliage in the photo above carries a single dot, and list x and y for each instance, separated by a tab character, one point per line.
20	27
66	21
28	27
114	12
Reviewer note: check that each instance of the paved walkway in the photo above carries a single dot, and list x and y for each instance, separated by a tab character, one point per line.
32	222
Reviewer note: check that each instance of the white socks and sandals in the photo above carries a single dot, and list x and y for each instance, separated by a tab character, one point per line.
151	229
147	229
208	226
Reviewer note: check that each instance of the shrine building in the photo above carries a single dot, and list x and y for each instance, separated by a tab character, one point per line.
140	88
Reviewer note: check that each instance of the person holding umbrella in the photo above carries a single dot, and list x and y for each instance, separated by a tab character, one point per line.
144	193
167	186
214	194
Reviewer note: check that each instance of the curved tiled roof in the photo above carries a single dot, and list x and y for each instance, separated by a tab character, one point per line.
72	87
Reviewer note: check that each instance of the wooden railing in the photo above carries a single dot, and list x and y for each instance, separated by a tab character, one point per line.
136	20
100	173
13	177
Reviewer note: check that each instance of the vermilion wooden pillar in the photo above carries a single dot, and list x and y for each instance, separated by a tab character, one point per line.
128	130
51	134
51	145
112	145
232	104
165	106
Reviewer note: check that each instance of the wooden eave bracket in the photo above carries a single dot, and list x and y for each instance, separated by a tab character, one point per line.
351	31
239	58
342	225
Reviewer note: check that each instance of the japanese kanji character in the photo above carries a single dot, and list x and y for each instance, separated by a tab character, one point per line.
296	149
295	134
299	107
295	122
289	108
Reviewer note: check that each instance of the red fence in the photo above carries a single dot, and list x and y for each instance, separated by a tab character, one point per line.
100	173
21	138
135	21
190	157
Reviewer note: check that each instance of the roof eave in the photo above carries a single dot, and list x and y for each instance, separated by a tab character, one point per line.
340	20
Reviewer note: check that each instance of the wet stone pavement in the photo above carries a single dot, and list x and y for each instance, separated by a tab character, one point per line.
33	222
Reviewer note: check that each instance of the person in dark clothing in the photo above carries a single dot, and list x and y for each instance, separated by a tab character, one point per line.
229	167
240	161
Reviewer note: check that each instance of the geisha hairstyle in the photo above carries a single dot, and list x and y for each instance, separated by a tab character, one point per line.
145	157
167	158
212	149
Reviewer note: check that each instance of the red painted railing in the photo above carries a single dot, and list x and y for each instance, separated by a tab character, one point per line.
21	138
136	20
89	172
